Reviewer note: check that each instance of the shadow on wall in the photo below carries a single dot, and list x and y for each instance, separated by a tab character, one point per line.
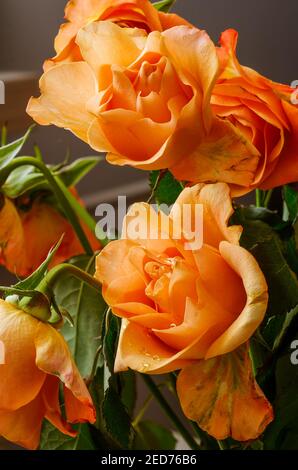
268	31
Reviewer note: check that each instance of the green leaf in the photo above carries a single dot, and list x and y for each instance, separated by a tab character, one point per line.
151	435
165	189
113	420
87	307
290	196
110	340
73	173
282	433
116	419
164	5
128	390
52	439
24	179
36	277
243	214
10	151
266	246
27	178
291	252
114	394
275	330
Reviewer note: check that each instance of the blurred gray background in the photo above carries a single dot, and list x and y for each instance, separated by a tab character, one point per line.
268	31
268	42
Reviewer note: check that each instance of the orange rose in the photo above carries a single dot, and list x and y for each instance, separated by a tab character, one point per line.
26	236
129	13
263	113
145	99
36	361
191	310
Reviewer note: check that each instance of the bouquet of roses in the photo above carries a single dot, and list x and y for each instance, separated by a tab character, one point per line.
198	288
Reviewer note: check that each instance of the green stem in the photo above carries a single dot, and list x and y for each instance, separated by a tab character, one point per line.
142	411
170	413
253	357
223	445
82	213
4	136
258	198
45	289
48	282
158	179
268	198
59	192
94	365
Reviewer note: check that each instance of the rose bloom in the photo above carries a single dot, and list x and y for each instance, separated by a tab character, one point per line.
191	310
262	111
35	361
28	233
145	99
132	13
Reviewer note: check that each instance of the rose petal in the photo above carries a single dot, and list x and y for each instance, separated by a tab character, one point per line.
104	42
12	239
220	280
254	282
23	426
222	155
17	332
65	90
50	396
139	349
217	207
53	357
286	169
222	396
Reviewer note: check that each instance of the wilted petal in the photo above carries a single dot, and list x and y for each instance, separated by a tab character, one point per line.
222	396
224	154
53	357
50	396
